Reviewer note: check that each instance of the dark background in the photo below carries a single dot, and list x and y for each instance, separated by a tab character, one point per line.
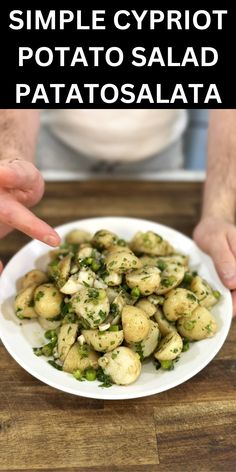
222	74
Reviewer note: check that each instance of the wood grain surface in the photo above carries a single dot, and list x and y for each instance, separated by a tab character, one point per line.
189	428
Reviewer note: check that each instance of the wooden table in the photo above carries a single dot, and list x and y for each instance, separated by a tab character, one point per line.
189	428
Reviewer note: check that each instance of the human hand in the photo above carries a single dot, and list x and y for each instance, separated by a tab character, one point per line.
217	237
21	187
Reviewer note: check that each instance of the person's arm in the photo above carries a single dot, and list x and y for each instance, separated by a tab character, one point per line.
21	184
216	232
18	134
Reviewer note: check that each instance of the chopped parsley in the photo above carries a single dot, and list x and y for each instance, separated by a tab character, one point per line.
114	309
31	303
185	345
161	265
55	365
192	297
168	281
104	378
208	328
83	351
139	349
39	295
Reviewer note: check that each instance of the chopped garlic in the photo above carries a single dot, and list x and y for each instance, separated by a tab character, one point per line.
99	284
81	339
104	327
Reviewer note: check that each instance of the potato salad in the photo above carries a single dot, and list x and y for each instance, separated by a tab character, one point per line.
107	305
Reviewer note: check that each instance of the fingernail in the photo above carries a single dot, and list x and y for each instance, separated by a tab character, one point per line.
50	240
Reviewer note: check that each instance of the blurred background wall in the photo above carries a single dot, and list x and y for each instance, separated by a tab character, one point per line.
195	140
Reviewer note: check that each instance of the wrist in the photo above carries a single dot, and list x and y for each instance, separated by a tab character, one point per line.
219	205
12	153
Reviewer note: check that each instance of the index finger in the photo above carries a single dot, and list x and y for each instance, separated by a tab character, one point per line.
15	215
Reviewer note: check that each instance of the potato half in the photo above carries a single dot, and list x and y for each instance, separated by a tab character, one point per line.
151	243
179	302
135	324
204	292
147	279
47	301
200	325
77	236
165	326
169	348
171	277
34	277
24	303
121	260
66	338
80	359
92	305
146	306
103	341
148	345
122	365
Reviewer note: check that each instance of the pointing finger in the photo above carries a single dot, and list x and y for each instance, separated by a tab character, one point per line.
15	215
224	261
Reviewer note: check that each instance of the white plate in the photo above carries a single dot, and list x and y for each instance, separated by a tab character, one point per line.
19	339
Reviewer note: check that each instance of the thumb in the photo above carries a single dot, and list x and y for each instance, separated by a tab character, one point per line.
224	260
4	230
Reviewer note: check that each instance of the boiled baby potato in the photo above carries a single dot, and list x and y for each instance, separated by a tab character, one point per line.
156	300
85	250
165	326
200	325
103	341
176	258
147	279
121	260
66	338
204	292
118	248
78	236
47	301
148	307
169	348
122	365
151	243
171	277
179	302
34	277
80	357
148	345
103	239
60	272
135	324
162	261
24	303
92	305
